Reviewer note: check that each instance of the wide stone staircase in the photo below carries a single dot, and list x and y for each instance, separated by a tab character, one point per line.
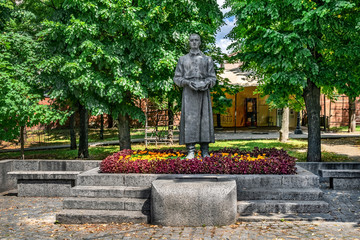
98	199
296	197
106	198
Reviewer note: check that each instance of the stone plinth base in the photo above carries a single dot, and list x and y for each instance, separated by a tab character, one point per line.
193	202
45	183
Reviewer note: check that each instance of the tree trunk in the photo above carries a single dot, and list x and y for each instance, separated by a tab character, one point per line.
170	123
83	151
102	126
311	96
22	142
284	131
352	114
72	132
110	121
124	131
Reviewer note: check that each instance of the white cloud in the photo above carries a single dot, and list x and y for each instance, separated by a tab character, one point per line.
223	44
221	41
220	3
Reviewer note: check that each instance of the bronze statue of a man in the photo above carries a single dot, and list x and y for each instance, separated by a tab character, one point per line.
195	74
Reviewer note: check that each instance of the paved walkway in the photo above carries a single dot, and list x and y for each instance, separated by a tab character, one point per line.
223	135
33	218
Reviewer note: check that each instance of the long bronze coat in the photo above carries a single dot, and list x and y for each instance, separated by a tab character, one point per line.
196	123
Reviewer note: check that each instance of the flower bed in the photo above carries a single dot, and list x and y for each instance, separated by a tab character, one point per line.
224	161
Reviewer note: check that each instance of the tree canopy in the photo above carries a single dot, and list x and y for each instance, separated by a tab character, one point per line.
292	45
19	77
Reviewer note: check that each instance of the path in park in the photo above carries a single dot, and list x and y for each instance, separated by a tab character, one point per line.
33	218
345	146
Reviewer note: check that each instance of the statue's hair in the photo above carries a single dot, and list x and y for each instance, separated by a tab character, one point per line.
195	34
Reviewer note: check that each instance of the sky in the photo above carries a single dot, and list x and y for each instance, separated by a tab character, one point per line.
221	41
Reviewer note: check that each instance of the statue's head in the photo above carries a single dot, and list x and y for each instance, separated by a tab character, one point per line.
194	41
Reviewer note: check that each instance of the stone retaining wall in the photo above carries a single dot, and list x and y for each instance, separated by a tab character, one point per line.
6	182
315	166
9	182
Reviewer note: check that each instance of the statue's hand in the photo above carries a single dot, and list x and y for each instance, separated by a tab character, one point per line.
193	86
202	86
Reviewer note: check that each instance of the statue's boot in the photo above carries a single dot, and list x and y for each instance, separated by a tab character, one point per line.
191	151
204	150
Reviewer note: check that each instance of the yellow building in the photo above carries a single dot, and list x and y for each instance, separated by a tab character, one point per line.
249	109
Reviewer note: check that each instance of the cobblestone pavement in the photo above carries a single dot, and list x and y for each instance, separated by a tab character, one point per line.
33	218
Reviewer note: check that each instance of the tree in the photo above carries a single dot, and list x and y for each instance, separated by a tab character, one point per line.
19	91
109	53
289	43
284	131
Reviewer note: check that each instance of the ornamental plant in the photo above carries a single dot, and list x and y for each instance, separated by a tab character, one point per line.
224	161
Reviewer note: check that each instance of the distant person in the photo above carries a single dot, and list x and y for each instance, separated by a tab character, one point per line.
195	74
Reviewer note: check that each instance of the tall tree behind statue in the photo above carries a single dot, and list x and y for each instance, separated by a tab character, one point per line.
290	45
108	53
20	92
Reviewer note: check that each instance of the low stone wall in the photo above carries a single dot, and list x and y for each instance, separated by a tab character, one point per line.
54	165
314	167
6	182
303	179
45	183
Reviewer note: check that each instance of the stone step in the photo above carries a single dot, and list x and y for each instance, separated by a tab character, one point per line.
303	179
111	192
129	204
94	178
295	194
286	217
72	216
281	206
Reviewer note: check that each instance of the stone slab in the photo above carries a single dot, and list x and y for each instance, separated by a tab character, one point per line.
346	183
286	217
54	165
129	204
6	182
340	173
276	206
193	202
271	193
45	175
100	216
45	188
111	192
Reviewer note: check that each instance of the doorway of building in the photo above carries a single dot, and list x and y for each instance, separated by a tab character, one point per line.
251	112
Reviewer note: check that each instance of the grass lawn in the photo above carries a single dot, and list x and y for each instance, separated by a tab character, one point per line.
62	137
344	129
296	148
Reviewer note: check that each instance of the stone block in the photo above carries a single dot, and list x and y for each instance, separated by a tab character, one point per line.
45	188
26	165
44	183
94	178
71	216
140	180
6	182
346	183
88	165
193	202
55	165
343	173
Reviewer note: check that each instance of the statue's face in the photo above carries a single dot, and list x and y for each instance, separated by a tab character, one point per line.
194	41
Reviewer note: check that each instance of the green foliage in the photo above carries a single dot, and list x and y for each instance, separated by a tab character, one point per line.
288	42
19	90
109	53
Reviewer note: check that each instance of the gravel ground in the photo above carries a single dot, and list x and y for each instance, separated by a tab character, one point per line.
34	218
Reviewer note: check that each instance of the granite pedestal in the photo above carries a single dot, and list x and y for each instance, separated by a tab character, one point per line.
193	202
